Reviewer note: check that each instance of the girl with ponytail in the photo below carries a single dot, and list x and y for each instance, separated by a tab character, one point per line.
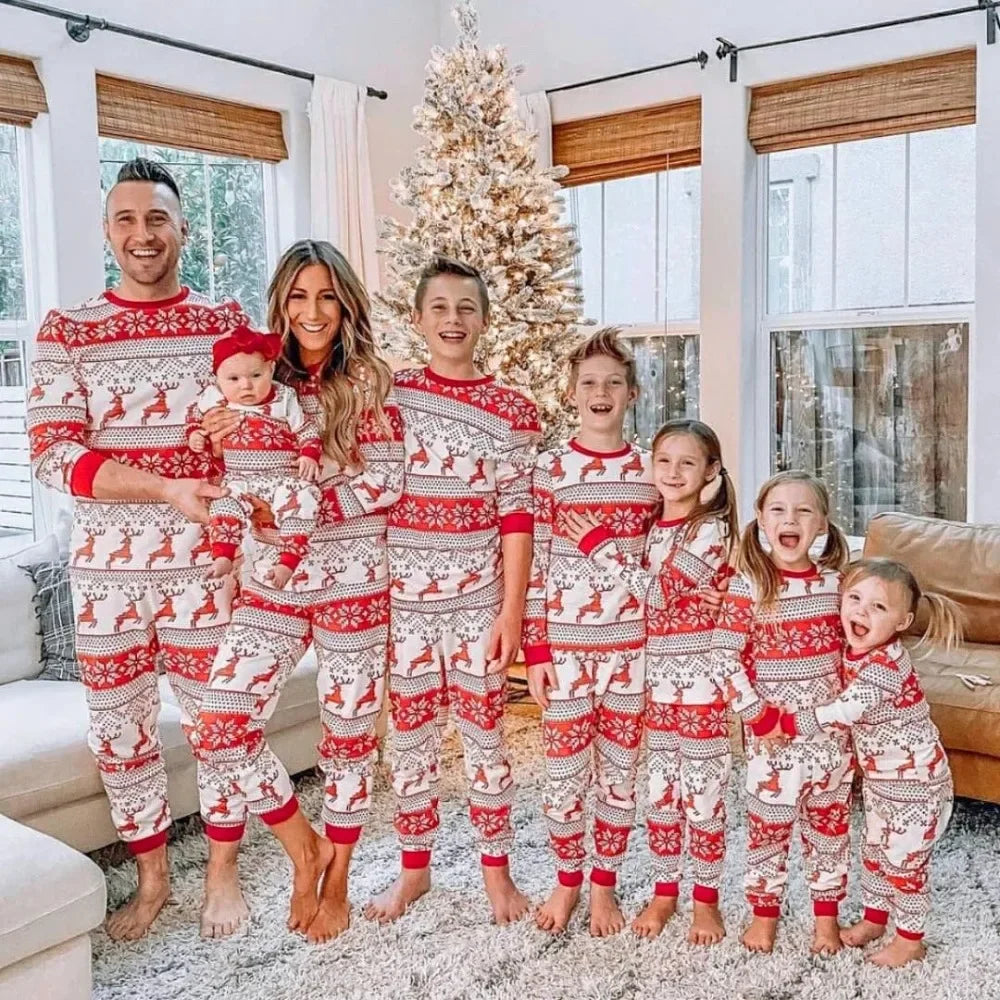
687	552
907	786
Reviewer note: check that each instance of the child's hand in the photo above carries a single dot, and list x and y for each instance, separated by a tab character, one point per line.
308	469
577	525
713	598
541	677
197	441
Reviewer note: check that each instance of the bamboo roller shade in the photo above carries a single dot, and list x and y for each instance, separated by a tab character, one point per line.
629	142
933	92
22	97
127	109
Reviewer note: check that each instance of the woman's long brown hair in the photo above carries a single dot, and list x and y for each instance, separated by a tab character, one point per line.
354	379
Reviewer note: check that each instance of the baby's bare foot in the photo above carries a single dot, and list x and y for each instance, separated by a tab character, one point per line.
760	935
410	885
606	917
898	952
861	933
654	917
553	915
707	926
826	936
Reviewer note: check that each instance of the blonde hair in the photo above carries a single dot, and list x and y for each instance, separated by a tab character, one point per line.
945	616
753	562
354	378
723	504
604	343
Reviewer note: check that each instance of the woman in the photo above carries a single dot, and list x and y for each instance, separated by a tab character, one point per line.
337	598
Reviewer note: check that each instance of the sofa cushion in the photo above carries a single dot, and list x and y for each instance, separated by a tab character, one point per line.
968	720
958	560
49	893
20	649
56	619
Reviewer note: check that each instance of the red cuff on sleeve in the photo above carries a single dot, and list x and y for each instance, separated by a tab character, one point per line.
81	479
518	523
290	559
223	550
533	655
593	538
788	726
764	723
311	449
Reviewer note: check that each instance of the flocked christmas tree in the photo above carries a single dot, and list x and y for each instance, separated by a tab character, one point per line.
477	194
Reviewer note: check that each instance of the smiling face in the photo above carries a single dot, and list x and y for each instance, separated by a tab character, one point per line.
314	312
451	319
873	612
602	394
792	519
245	378
681	470
144	225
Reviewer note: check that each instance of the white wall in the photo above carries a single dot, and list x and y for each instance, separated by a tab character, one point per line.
565	41
384	43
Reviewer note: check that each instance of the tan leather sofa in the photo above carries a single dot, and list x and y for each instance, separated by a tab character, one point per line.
961	561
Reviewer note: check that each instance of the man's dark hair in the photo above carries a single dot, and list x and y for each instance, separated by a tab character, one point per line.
141	169
448	265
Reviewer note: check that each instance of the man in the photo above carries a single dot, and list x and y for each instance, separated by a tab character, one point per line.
113	381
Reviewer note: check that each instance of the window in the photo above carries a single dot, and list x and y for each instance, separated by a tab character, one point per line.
639	268
868	281
225	200
16	331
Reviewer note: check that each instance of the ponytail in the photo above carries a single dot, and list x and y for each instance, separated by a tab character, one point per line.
945	621
837	552
755	564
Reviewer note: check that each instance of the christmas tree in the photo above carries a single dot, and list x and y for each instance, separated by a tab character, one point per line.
477	194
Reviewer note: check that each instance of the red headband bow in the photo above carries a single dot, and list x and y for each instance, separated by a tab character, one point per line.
243	340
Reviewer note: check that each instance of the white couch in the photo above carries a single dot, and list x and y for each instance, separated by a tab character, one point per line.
49	783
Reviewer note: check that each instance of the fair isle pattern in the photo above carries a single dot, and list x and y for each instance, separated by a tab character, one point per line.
585	622
260	459
120	379
687	729
338	599
117	380
791	655
907	786
470	448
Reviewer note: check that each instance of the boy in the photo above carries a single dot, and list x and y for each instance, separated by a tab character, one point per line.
459	557
584	634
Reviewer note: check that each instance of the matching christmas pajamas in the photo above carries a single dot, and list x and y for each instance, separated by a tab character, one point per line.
115	380
470	448
584	621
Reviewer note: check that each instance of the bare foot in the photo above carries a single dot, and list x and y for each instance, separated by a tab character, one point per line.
220	567
826	936
410	885
508	902
553	915
606	917
224	909
654	917
861	933
706	924
305	882
898	952
133	920
334	914
760	935
277	576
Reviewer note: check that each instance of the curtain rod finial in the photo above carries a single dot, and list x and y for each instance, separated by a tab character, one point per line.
702	58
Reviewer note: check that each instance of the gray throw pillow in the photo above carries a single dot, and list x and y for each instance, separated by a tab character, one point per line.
54	608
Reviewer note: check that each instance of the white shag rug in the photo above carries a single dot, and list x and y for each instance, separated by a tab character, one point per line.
445	948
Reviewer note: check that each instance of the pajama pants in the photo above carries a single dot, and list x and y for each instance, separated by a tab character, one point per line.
903	822
437	667
138	574
338	600
294	503
592	729
689	766
808	783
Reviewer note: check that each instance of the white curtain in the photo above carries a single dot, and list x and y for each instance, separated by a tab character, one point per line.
535	113
343	205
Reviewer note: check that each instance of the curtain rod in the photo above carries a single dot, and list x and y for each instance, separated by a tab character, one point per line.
728	50
79	27
701	58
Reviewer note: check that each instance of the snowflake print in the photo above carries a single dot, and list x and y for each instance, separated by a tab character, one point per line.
610	841
621	730
664	840
221	733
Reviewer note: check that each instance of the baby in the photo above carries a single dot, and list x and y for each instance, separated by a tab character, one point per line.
270	459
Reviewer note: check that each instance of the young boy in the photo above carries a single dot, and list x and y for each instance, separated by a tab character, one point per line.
272	458
459	557
584	634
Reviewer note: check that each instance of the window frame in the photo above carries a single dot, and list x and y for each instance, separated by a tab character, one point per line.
832	319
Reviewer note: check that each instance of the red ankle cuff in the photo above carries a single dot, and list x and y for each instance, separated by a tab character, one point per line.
910	935
770	912
147	844
224	834
493	860
825	907
667	889
601	876
873	916
415	860
343	834
279	815
704	894
571	880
